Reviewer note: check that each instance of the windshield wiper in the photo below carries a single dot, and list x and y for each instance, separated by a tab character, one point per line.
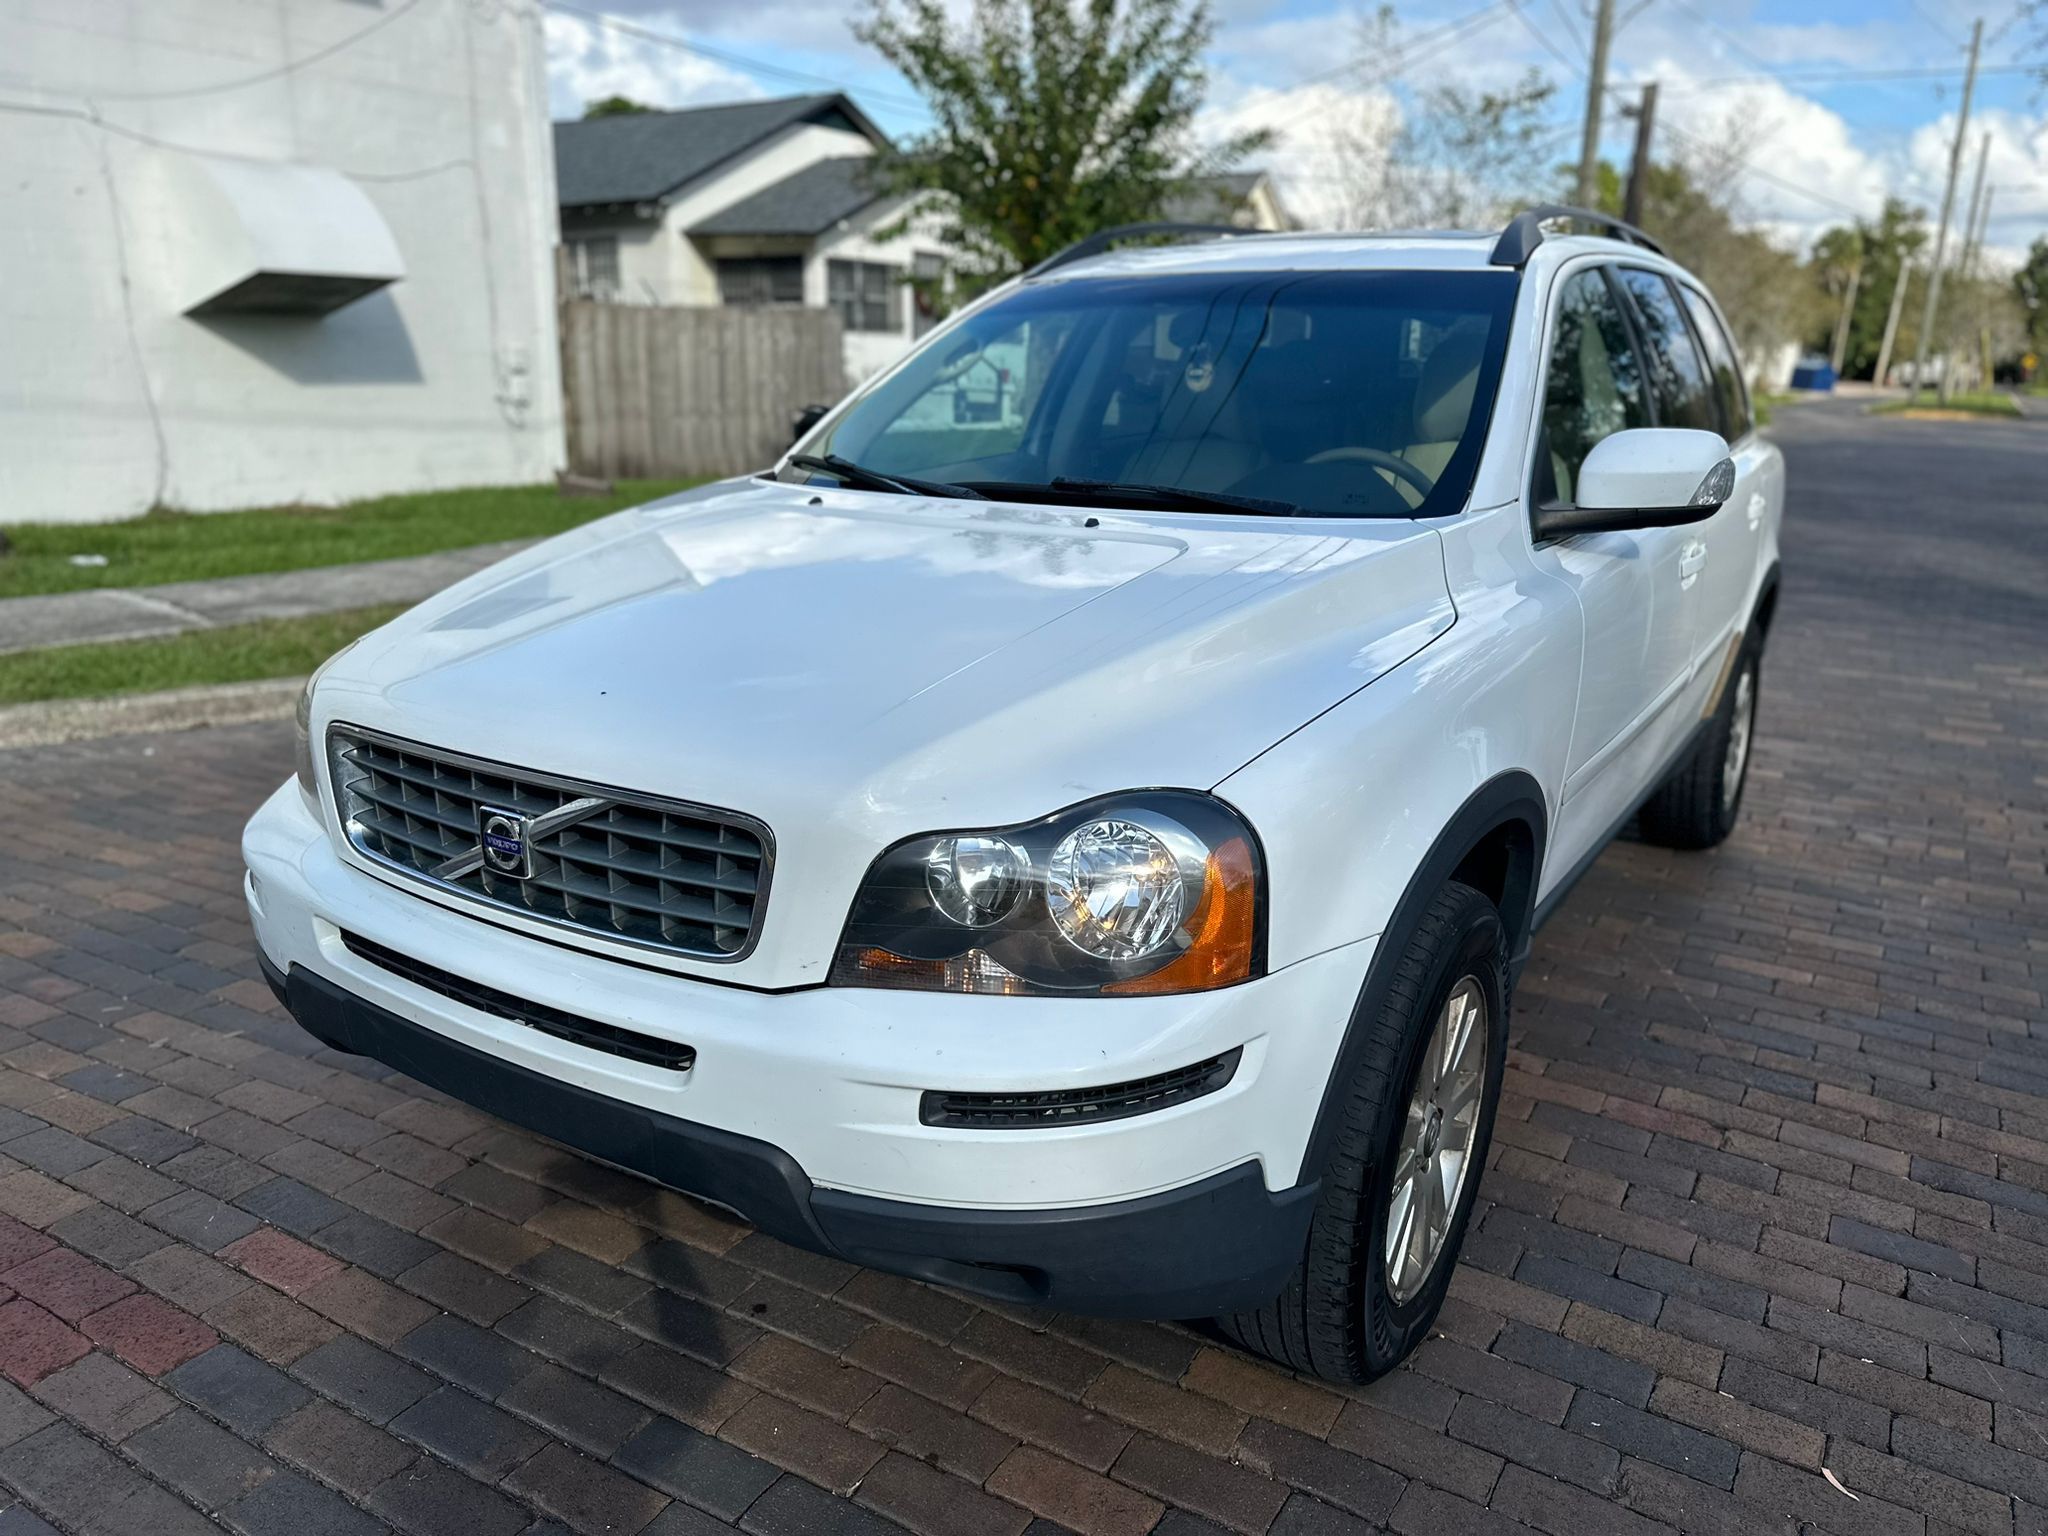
851	473
1176	496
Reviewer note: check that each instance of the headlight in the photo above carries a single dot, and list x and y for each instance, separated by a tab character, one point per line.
302	742
1153	892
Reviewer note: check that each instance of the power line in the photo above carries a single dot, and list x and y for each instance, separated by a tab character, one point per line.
1735	44
726	56
1925	15
1759	172
1451	31
1830	75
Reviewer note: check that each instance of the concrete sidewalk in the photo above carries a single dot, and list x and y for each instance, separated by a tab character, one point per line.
135	613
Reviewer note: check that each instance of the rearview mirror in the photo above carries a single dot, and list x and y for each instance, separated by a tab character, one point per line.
805	419
1648	477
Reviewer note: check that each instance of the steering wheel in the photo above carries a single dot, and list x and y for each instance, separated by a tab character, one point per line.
1399	467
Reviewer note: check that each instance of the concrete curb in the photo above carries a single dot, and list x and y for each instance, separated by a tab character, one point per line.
180	709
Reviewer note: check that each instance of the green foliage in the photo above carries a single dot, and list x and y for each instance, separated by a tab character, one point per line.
186	546
1980	402
1884	245
1054	118
1761	289
239	653
2030	285
615	106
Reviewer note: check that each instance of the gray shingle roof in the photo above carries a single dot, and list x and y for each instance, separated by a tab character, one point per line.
640	156
807	203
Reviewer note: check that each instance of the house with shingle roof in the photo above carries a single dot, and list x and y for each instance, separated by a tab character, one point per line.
747	203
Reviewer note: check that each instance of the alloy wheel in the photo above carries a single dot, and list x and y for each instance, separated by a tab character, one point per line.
1435	1155
1736	761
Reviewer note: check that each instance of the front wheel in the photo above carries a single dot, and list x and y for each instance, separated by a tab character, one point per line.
1399	1183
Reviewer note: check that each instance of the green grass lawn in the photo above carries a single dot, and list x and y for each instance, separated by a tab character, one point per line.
238	653
1765	403
1983	402
184	546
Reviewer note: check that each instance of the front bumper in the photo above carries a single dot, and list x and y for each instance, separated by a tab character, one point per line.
1159	1256
801	1108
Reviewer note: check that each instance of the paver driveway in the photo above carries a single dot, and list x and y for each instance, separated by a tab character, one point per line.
1770	1193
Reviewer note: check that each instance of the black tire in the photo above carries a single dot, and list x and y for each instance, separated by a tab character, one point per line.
1690	809
1335	1318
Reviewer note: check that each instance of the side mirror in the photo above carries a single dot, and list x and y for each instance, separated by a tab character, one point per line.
805	419
1649	477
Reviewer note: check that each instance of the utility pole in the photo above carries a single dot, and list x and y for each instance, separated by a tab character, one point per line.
1841	346
1639	164
1948	203
1596	95
1965	261
1891	320
1984	331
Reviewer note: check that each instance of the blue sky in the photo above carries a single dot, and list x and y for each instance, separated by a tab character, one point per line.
1828	104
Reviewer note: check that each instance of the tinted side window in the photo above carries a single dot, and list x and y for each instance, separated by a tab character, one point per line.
1721	358
1678	377
1595	386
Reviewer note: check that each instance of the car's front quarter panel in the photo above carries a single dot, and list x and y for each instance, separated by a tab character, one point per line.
1350	805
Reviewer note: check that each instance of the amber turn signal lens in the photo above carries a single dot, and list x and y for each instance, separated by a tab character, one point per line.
1225	929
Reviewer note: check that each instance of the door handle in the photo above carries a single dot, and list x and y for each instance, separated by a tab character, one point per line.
1691	560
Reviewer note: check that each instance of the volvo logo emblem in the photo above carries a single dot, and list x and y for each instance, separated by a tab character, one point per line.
506	839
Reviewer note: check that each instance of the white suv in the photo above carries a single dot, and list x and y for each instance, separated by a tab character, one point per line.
1073	840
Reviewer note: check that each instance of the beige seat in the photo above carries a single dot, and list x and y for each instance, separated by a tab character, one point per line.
1443	404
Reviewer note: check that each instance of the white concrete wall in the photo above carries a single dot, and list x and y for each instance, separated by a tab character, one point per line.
112	400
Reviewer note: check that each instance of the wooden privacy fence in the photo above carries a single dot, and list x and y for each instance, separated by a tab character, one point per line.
660	393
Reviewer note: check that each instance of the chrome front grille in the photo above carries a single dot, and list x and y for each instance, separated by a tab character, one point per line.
662	874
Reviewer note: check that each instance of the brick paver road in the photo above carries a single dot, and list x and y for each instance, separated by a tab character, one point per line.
1769	1201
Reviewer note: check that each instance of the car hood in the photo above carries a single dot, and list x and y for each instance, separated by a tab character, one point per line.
853	668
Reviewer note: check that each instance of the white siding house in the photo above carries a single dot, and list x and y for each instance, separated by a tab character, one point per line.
268	251
759	202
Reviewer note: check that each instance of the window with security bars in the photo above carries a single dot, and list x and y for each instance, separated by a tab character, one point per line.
756	280
867	294
594	265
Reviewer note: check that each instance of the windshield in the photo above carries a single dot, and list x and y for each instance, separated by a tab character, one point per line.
1341	394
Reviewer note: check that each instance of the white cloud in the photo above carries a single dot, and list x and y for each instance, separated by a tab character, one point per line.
587	61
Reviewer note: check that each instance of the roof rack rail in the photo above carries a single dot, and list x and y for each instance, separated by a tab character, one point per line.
1103	239
1525	231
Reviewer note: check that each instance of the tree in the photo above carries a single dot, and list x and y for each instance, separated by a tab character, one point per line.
1054	119
2030	285
1888	243
615	106
1450	157
1691	206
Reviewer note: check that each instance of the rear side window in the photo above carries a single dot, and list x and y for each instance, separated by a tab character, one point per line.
1595	386
1721	358
1678	375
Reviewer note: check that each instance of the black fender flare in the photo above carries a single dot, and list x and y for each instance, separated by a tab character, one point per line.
1765	613
1513	796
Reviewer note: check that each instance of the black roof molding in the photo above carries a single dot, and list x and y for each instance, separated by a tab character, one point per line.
1103	239
1525	231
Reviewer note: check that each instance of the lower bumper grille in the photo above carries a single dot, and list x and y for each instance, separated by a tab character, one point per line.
1075	1106
648	1050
